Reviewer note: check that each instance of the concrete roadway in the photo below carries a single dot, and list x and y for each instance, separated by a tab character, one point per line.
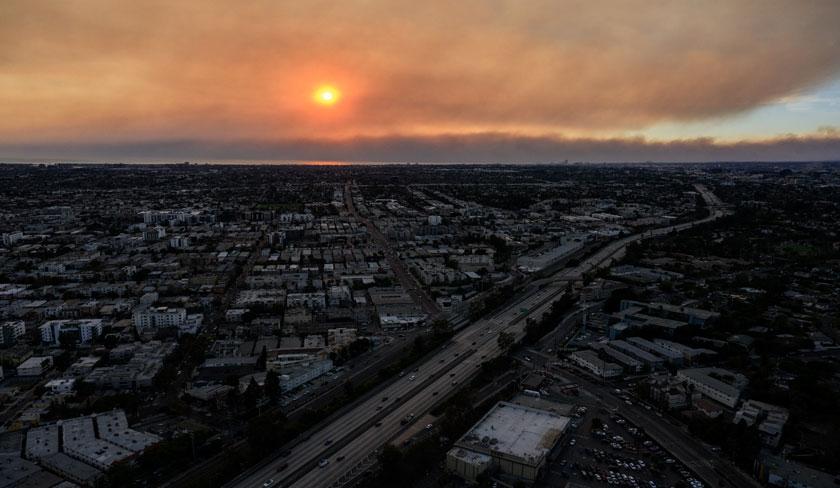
355	436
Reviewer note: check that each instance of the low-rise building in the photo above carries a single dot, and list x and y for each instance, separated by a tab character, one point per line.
771	420
669	355
648	359
61	386
778	472
628	363
716	383
340	337
590	361
35	366
296	369
80	442
81	330
514	439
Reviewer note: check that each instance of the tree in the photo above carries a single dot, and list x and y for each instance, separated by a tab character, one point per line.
505	340
393	467
441	328
272	386
262	359
249	398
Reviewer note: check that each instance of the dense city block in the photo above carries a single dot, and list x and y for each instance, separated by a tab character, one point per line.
193	325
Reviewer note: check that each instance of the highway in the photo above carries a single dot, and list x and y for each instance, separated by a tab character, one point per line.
355	436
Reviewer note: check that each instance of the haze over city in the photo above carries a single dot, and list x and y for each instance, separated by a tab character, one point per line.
419	244
477	81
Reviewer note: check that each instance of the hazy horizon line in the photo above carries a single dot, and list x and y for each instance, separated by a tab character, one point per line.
484	147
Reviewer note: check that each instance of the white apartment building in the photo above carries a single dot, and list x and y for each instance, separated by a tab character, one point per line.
590	361
159	317
179	242
11	331
717	384
312	301
85	329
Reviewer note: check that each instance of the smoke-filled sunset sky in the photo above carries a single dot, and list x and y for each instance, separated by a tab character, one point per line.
494	80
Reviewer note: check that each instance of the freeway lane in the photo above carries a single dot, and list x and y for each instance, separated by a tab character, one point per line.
342	439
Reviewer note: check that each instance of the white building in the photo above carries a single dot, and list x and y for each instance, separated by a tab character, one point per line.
179	242
590	361
35	366
297	369
770	418
163	317
61	386
312	301
84	329
11	331
716	383
514	439
340	337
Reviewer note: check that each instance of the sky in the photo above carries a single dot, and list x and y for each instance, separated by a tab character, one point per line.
491	80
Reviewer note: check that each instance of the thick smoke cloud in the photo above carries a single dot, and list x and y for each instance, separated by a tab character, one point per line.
116	70
488	147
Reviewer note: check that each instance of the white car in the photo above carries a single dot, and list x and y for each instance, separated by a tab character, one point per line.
323	462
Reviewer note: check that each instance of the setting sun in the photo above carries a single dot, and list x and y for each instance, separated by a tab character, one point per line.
326	95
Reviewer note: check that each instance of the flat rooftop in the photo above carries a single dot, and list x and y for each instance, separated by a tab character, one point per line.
42	441
516	431
14	470
113	427
80	441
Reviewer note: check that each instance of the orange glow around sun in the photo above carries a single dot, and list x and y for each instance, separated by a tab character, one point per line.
326	95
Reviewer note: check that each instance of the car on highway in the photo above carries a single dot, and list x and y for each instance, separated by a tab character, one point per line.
328	442
340	458
282	467
411	378
378	424
323	462
268	483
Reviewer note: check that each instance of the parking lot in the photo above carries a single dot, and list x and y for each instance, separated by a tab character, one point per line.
605	449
